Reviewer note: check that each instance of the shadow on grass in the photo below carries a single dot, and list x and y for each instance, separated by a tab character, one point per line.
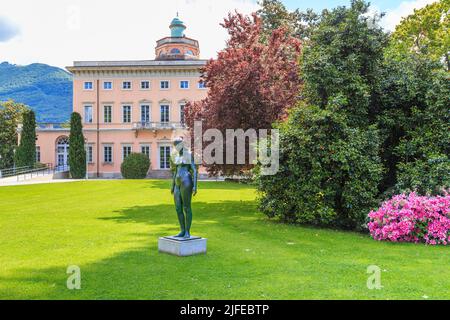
204	185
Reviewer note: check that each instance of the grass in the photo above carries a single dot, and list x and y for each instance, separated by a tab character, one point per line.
110	230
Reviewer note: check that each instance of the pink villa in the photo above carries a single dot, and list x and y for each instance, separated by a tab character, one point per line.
130	106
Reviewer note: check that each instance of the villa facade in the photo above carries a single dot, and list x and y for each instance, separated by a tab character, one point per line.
130	106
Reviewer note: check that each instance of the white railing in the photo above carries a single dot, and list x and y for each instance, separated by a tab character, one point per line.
158	125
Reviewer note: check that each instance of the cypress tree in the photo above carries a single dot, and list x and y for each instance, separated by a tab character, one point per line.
77	151
26	152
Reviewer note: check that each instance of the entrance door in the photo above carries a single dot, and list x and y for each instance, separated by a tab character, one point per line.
62	153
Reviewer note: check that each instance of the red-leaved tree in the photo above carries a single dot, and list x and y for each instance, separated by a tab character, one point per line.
252	83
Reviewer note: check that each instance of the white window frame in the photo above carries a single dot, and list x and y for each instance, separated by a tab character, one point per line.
131	85
84	114
168	85
160	113
131	113
111	115
112	153
146	145
181	104
149	111
88	89
126	145
199	85
159	155
149	85
90	149
188	84
112	85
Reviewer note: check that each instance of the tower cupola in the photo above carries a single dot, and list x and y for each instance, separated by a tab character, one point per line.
177	46
177	28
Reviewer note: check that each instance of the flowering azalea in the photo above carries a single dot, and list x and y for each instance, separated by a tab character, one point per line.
412	218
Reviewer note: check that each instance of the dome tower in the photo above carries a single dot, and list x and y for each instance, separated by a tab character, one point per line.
177	46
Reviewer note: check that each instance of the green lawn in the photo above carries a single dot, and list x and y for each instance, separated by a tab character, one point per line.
110	230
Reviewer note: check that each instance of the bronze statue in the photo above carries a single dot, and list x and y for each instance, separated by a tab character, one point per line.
184	185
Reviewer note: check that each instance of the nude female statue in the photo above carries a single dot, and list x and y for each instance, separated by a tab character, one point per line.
184	185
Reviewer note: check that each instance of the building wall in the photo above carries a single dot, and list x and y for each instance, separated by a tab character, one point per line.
117	134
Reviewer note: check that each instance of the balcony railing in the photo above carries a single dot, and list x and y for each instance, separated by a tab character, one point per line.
53	126
158	126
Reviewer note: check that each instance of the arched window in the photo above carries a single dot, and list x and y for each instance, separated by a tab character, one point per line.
189	52
175	51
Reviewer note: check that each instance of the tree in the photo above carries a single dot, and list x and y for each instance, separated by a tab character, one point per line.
299	24
426	32
423	152
251	83
330	166
77	151
10	117
26	152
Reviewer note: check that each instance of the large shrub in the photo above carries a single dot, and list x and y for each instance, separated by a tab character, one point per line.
412	218
329	171
135	166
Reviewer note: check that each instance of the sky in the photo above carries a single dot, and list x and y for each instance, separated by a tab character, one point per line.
58	32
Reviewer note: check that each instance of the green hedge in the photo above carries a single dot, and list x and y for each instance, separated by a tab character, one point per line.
135	166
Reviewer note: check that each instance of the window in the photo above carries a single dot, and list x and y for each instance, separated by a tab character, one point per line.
164	85
145	85
107	85
38	154
182	106
107	114
126	85
164	157
184	84
88	85
107	154
165	117
145	113
88	114
175	51
145	149
201	85
126	151
90	154
126	114
189	52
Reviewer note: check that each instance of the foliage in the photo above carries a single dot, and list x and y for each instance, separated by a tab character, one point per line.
329	157
10	117
26	152
412	218
135	166
77	151
423	152
251	83
299	24
46	89
329	170
426	32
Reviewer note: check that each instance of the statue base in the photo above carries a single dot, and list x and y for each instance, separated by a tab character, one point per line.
182	247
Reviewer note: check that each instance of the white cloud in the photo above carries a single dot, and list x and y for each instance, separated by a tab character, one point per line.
394	16
60	32
8	29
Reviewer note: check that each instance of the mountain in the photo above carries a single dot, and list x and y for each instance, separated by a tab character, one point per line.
46	89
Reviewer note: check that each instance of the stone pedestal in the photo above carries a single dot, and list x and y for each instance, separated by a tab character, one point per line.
182	247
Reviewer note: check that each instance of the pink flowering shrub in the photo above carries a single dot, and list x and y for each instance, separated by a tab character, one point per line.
412	218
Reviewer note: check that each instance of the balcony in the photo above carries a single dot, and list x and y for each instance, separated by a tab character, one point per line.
51	127
155	126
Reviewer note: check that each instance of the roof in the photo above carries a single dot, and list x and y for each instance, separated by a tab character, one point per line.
136	64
